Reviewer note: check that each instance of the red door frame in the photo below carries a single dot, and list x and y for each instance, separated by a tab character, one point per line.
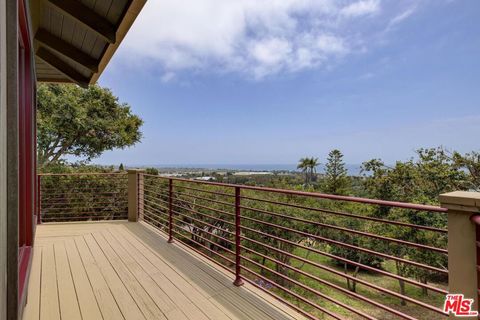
26	149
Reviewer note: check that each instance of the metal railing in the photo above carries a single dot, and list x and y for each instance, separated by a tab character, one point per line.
82	197
323	255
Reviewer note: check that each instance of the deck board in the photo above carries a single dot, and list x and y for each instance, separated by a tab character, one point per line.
86	298
121	270
67	296
49	300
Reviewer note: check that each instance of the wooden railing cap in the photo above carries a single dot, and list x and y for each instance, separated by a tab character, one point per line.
135	170
461	201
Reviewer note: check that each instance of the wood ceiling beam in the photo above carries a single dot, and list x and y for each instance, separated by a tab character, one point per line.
57	63
87	17
64	48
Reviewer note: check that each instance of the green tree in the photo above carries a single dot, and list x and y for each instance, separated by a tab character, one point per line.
152	171
120	167
309	168
336	178
313	164
471	163
418	180
303	165
73	121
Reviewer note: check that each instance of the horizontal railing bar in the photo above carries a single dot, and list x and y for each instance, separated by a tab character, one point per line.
153	181
157	192
384	203
346	276
69	205
206	208
59	205
100	210
350	215
360	265
83	174
151	220
182	243
331	285
148	186
84	180
156	210
151	202
163	219
362	233
205	215
154	189
198	182
83	210
51	185
82	197
90	187
223	194
205	199
76	187
84	217
88	197
74	209
311	290
212	251
404	205
82	213
277	297
153	199
205	223
202	237
290	292
157	216
350	246
196	235
116	188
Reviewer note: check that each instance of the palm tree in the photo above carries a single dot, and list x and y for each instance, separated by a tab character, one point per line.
304	165
313	164
309	167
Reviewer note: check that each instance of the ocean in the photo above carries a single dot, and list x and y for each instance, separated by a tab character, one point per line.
353	169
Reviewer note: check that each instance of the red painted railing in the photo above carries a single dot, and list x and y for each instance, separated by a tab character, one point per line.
323	255
82	197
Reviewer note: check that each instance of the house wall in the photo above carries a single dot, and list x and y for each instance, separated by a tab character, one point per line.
3	164
8	161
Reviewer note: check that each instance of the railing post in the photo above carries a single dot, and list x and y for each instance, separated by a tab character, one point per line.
135	194
238	278
170	210
462	244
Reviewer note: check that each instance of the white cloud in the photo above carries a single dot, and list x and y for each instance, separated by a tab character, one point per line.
330	44
271	51
402	16
361	8
168	77
255	38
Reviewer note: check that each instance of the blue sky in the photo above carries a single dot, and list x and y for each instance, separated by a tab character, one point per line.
267	82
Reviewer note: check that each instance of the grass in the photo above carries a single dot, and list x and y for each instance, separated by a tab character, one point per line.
411	291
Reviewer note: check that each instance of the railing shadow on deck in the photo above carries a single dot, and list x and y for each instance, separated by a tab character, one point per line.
157	242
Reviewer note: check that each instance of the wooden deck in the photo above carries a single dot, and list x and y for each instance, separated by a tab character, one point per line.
122	270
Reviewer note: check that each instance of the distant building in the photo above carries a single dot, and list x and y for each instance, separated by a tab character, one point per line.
206	178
